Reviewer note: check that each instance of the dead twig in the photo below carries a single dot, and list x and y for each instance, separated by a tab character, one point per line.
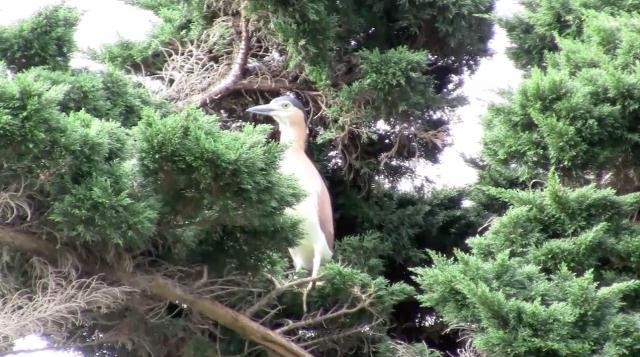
342	334
280	288
56	302
319	318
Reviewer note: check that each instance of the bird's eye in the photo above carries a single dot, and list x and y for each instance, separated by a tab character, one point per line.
285	105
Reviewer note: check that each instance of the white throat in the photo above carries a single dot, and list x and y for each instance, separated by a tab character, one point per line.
287	134
293	136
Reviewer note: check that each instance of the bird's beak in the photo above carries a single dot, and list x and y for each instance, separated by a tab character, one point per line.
265	109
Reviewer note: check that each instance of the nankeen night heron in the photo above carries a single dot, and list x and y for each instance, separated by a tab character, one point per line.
316	245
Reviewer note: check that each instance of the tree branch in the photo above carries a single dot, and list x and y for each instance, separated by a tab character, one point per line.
227	317
275	293
322	318
226	85
340	334
254	85
268	86
161	288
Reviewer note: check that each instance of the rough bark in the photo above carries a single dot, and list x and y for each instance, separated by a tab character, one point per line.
234	76
162	288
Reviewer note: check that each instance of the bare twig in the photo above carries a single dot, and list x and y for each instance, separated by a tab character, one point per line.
192	67
404	349
57	301
341	334
277	292
14	202
488	223
366	301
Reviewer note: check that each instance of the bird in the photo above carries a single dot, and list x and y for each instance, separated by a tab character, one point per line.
316	245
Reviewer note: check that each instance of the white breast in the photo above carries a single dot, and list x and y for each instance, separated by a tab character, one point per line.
299	166
292	164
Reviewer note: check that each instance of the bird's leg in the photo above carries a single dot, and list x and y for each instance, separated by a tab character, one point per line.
317	257
314	274
297	264
304	300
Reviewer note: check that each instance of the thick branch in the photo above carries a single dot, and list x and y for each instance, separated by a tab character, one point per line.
255	85
163	289
226	85
227	317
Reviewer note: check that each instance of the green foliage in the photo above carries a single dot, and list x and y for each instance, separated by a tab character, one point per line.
102	203
198	346
340	282
108	96
313	31
364	252
220	192
109	169
46	39
73	165
372	60
343	286
385	90
557	274
125	52
30	124
579	114
104	208
386	87
180	20
104	182
3	70
307	29
460	25
316	33
554	276
537	30
393	349
407	222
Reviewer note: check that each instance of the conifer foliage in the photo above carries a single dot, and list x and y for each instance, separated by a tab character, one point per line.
155	224
578	113
45	40
556	274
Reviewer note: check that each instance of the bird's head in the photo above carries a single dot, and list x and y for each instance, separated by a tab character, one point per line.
286	110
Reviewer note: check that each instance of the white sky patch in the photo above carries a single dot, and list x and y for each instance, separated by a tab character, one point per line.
494	74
